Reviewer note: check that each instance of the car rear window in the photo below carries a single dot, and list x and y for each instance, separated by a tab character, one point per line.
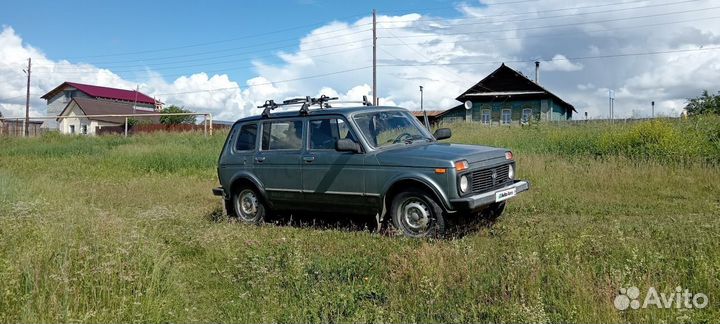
246	138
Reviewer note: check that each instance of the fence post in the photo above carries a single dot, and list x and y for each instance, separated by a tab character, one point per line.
211	124
126	126
205	125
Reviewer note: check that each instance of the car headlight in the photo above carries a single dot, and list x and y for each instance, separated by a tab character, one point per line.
511	172
464	185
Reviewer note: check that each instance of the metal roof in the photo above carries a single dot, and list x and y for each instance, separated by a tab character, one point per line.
103	92
103	107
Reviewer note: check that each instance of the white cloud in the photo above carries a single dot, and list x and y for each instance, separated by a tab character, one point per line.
446	56
560	63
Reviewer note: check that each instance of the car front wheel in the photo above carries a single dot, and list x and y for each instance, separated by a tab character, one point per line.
248	206
416	214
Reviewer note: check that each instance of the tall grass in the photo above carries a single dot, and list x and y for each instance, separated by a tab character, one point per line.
662	140
126	230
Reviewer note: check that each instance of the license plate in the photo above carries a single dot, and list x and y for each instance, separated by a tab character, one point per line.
505	194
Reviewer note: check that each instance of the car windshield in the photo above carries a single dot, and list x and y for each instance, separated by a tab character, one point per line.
385	128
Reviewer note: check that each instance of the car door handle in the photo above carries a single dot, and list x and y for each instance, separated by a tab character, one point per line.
259	159
308	159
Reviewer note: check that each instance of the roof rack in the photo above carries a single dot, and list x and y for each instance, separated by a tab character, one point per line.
322	101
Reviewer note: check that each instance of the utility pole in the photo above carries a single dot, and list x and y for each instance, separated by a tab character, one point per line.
611	104
422	108
27	100
374	81
137	89
653	108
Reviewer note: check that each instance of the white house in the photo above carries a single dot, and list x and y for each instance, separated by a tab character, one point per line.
78	115
59	98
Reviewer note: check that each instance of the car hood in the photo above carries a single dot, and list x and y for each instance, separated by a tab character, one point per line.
438	154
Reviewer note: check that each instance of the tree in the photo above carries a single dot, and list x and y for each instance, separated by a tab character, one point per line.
175	119
704	104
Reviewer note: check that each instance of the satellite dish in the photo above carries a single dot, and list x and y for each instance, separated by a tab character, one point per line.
468	105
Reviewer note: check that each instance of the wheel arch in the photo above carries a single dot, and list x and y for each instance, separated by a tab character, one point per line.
399	184
248	179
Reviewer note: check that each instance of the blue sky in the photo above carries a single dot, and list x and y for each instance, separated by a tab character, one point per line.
87	31
227	57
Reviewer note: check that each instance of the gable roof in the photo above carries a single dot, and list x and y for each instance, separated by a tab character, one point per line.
103	92
91	107
505	81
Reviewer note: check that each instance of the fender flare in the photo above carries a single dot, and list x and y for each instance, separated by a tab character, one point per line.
422	179
247	176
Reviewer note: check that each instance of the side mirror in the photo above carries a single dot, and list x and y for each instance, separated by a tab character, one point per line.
442	133
347	145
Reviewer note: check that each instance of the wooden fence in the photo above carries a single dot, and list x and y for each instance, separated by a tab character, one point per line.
153	128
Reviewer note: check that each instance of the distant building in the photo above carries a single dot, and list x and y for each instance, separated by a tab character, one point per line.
506	97
59	98
82	110
16	127
432	116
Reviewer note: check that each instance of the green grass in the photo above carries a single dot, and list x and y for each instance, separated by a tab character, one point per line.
126	230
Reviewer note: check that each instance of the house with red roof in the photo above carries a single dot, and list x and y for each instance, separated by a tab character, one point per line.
96	99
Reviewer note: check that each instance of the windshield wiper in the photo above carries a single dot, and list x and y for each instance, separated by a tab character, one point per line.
415	138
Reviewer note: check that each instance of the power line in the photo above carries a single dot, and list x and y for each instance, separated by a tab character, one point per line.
564	15
11	98
523	13
451	73
269	82
570	34
564	25
294	43
222	41
246	47
449	7
174	65
564	59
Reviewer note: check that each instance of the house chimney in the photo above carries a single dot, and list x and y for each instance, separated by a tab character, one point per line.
537	72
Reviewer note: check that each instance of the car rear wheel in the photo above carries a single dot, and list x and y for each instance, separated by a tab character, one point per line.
416	214
248	205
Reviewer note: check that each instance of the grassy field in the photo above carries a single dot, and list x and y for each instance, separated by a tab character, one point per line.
126	230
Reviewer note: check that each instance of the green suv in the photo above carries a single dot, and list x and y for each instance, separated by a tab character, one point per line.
362	160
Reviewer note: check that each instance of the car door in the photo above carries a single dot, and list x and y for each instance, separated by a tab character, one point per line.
335	180
277	163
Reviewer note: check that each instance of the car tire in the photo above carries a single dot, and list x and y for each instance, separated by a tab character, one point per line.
494	211
414	213
248	205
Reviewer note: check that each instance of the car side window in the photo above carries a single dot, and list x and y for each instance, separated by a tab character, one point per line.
282	135
246	138
325	132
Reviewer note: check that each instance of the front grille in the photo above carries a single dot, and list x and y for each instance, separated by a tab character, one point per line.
482	180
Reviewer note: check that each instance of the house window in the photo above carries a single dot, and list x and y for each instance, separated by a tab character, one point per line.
526	115
506	116
69	94
485	117
83	129
72	129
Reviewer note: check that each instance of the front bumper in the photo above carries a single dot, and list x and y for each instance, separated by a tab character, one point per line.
481	200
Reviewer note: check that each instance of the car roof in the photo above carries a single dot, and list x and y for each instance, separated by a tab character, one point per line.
345	111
